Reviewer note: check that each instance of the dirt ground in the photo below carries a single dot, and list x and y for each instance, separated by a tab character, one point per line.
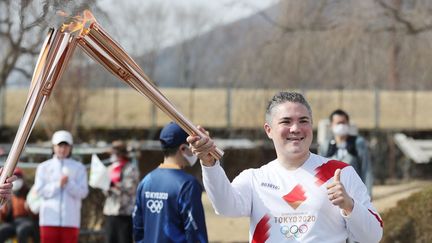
229	230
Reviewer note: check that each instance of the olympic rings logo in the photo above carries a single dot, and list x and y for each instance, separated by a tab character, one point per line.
155	206
294	230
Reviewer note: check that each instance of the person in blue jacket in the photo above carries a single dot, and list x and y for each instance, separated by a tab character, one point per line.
168	204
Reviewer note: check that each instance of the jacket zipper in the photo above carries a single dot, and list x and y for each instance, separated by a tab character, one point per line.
61	194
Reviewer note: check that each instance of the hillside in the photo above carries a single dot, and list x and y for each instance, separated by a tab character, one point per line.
203	60
303	45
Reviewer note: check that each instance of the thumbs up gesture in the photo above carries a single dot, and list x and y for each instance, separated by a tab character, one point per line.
337	194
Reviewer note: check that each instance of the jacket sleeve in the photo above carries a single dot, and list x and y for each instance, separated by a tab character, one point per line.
364	224
366	164
229	199
138	217
192	212
323	148
44	187
77	187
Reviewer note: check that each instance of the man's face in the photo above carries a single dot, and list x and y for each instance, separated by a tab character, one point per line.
291	130
339	119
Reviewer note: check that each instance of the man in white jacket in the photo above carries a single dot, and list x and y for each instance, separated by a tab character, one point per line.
62	183
299	196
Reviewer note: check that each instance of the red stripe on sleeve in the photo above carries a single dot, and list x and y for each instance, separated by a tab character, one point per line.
327	170
261	233
377	217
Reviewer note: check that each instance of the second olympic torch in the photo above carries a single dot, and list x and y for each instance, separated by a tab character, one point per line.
98	44
53	58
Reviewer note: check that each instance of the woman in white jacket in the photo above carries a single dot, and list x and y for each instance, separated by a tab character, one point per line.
62	183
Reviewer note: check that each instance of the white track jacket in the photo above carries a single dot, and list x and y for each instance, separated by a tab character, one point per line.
61	206
293	206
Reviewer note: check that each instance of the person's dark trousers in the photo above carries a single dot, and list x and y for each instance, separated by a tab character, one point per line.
118	229
25	230
7	230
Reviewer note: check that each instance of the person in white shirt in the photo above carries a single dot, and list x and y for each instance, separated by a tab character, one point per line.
299	196
62	183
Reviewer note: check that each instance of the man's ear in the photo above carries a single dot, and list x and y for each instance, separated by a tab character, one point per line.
183	147
267	129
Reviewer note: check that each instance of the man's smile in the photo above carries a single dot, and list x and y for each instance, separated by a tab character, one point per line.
295	138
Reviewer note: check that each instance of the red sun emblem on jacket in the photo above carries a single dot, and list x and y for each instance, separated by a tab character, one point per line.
295	197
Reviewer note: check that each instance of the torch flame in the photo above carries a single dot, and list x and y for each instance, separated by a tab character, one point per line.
79	22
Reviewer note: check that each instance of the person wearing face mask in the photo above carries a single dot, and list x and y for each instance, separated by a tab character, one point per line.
351	149
120	196
61	182
17	219
168	204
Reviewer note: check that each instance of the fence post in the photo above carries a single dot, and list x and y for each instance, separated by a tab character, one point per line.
377	108
2	105
229	108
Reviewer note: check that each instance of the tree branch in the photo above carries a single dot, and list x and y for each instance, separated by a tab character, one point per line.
26	73
397	14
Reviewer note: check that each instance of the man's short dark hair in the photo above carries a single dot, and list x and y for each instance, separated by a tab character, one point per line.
286	96
339	112
170	151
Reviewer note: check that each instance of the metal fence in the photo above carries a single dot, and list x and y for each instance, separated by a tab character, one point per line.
237	108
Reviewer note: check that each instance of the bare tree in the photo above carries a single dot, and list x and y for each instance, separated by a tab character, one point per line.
23	26
142	28
192	22
68	100
408	19
342	44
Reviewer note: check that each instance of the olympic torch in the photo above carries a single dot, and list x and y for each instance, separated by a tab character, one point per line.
96	42
53	58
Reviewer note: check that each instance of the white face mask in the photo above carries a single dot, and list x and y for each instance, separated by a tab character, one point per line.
17	184
340	130
113	158
191	159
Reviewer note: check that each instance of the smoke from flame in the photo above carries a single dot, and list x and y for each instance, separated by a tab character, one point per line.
78	23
